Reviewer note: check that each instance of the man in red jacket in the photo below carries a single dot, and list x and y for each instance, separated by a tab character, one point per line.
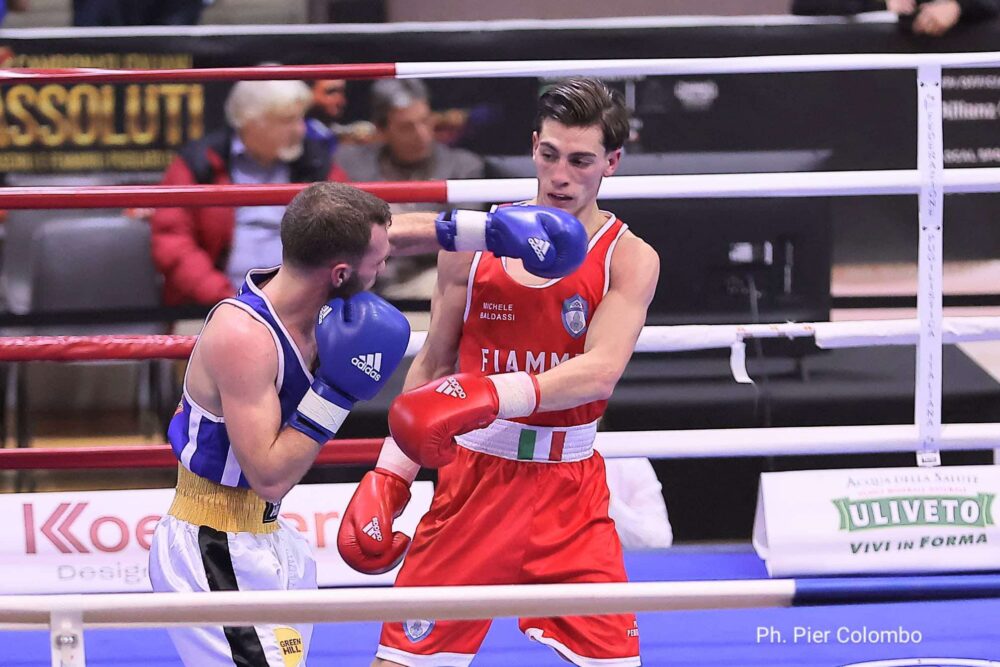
203	253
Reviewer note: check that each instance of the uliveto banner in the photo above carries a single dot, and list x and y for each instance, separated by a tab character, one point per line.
879	520
98	541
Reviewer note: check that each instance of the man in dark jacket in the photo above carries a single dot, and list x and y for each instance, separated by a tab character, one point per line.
204	253
921	17
406	150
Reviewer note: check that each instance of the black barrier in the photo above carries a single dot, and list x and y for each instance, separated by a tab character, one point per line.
867	118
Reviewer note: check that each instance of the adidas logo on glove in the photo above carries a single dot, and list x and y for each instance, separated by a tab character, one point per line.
373	530
451	387
540	246
369	364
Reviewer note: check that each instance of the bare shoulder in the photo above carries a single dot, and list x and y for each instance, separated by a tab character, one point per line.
234	338
454	267
635	262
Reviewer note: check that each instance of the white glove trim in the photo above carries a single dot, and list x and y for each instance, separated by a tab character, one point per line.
470	230
323	412
395	461
516	392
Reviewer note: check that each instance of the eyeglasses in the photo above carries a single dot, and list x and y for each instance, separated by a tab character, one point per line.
335	90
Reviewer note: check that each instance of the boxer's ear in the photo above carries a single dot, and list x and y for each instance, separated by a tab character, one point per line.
340	274
614	159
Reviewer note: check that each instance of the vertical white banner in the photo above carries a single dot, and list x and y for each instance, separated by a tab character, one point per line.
930	164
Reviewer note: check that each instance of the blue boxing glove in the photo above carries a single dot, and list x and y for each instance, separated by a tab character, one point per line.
359	343
551	242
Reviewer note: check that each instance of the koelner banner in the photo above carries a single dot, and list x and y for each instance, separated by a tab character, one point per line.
98	541
879	520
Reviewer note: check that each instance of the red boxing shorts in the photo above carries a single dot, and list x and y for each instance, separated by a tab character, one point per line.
499	521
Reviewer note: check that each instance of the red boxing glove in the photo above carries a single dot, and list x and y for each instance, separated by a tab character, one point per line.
425	421
365	539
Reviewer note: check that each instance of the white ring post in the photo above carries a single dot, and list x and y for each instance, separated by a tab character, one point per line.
930	164
66	637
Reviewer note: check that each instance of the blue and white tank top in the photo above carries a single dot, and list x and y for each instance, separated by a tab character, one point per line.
198	437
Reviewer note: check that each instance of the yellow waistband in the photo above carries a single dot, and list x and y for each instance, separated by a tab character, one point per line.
229	509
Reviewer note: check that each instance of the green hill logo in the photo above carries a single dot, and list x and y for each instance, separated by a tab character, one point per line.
963	511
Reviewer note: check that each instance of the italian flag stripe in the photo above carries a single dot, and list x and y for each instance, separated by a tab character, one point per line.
526	445
555	451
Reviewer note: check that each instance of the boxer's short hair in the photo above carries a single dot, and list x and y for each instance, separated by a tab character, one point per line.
328	222
582	102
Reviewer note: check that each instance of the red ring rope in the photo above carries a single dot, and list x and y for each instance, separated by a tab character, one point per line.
94	348
142	196
264	73
335	452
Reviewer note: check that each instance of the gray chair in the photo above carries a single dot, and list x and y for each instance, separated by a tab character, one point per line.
92	264
19	230
99	263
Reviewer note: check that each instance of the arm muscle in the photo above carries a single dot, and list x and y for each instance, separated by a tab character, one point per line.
240	358
612	334
439	355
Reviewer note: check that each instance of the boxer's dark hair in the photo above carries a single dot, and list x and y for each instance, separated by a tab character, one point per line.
330	221
582	102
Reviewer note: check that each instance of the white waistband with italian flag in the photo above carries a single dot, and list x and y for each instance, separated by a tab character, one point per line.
524	442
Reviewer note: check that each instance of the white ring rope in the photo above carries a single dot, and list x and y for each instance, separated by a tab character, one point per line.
771	184
790	441
686	66
391	604
828	335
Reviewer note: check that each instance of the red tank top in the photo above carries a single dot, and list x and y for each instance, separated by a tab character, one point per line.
511	327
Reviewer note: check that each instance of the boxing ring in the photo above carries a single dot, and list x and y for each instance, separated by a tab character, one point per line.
705	621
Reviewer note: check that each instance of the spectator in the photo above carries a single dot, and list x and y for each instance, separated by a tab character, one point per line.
12	6
324	116
922	17
329	99
936	17
204	253
94	13
405	150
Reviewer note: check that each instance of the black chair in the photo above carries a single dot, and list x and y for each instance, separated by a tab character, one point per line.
15	286
91	264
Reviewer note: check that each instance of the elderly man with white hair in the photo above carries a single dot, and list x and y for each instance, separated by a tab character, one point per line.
204	253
